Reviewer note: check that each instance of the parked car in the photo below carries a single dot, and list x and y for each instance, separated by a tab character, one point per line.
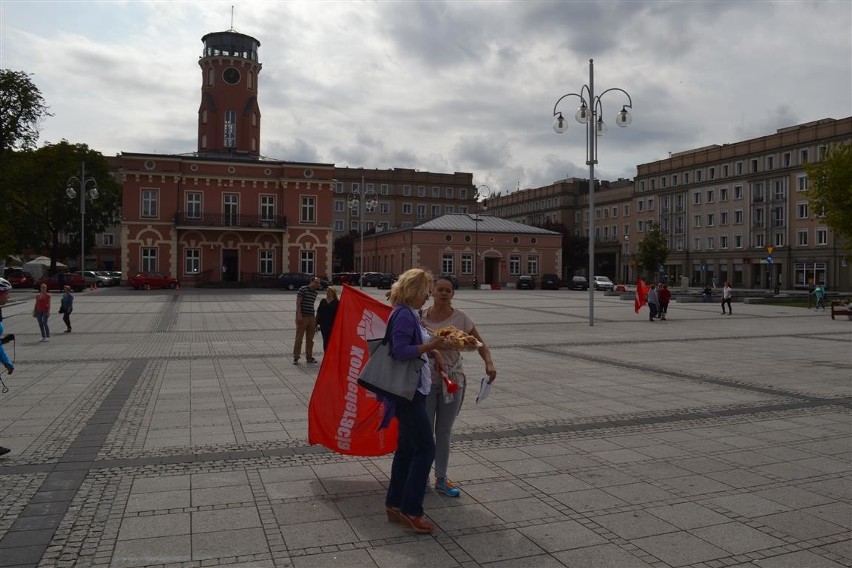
58	281
452	278
578	283
96	278
148	280
351	278
604	283
295	280
526	282
113	275
550	282
19	279
386	281
373	278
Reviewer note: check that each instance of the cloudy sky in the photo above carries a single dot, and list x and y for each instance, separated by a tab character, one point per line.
441	86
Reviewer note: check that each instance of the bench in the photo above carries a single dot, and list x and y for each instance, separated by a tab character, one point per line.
841	309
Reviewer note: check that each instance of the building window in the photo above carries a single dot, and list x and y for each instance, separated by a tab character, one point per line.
384	208
339	206
421	191
149	202
711	243
725	170
738	241
696	221
753	165
108	239
307	263
267	208
778	189
406	190
822	236
802	237
467	264
149	259
696	242
802	210
640	226
514	265
738	192
447	264
803	156
383	189
697	176
674	180
614	212
230	129
463	193
627	210
230	208
802	183
686	178
532	264
723	242
723	218
436	211
696	198
759	240
193	205
739	168
192	261
711	218
642	186
640	205
406	208
421	211
338	187
779	239
723	194
308	213
338	225
770	162
711	173
267	262
710	196
448	192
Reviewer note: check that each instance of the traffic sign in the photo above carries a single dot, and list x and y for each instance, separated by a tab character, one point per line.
769	250
769	259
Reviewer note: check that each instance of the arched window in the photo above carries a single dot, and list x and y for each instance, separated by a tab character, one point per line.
230	129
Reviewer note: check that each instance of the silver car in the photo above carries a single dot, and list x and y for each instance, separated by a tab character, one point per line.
96	278
604	283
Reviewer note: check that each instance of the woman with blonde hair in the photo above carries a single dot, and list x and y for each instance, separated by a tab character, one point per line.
415	449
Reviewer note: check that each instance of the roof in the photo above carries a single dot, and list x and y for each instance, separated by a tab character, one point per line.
483	223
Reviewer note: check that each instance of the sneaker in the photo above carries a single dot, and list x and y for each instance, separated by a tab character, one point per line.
311	360
447	487
4	451
295	360
47	339
68	330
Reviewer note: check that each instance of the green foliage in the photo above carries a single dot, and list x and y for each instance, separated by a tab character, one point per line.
21	109
830	191
653	250
41	215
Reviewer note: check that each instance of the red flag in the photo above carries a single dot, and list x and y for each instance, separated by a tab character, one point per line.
342	416
641	295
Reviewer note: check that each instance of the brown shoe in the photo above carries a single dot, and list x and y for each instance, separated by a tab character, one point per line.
418	524
394	516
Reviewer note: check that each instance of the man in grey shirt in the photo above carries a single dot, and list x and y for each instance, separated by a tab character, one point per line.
306	321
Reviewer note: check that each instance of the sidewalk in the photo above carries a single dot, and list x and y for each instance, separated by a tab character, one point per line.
170	429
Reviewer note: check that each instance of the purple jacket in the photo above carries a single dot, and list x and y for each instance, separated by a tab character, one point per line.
405	334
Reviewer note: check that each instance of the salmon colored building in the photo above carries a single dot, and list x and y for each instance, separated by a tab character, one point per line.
224	213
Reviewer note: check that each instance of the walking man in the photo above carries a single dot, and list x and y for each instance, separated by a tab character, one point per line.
653	300
306	321
727	294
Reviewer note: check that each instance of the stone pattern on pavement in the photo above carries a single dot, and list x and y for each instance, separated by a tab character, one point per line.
170	429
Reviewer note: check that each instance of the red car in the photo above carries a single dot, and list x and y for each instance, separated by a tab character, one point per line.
148	280
21	280
77	283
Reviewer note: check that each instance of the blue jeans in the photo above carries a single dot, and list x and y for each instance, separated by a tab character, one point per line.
41	317
412	461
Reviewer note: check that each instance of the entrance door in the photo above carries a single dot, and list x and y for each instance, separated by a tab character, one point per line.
230	265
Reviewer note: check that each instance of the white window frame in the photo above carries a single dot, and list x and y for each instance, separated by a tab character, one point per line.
308	212
266	262
150	203
192	261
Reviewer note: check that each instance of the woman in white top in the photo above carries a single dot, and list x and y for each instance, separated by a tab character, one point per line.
441	406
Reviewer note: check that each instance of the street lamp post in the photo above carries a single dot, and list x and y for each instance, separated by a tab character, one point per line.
589	113
371	201
481	190
87	186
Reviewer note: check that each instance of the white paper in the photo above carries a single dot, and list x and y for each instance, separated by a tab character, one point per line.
484	389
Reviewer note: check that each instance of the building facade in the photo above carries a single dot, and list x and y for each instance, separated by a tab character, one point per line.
224	213
739	212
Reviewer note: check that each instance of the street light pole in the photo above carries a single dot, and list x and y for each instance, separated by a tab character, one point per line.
370	202
82	183
589	113
482	189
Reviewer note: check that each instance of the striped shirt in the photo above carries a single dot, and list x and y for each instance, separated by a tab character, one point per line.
308	300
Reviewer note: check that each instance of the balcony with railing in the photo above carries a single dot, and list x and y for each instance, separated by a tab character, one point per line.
230	220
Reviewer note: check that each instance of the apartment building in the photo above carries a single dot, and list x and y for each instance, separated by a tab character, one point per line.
397	198
739	211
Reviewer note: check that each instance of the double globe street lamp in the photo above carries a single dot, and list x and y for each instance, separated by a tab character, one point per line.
371	201
590	113
483	192
87	186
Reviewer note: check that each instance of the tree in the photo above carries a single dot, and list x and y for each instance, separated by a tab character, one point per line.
22	107
653	250
830	193
40	213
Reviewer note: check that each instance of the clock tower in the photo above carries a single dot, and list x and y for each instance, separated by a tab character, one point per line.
229	116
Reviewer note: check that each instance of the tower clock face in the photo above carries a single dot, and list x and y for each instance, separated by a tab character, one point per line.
231	76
